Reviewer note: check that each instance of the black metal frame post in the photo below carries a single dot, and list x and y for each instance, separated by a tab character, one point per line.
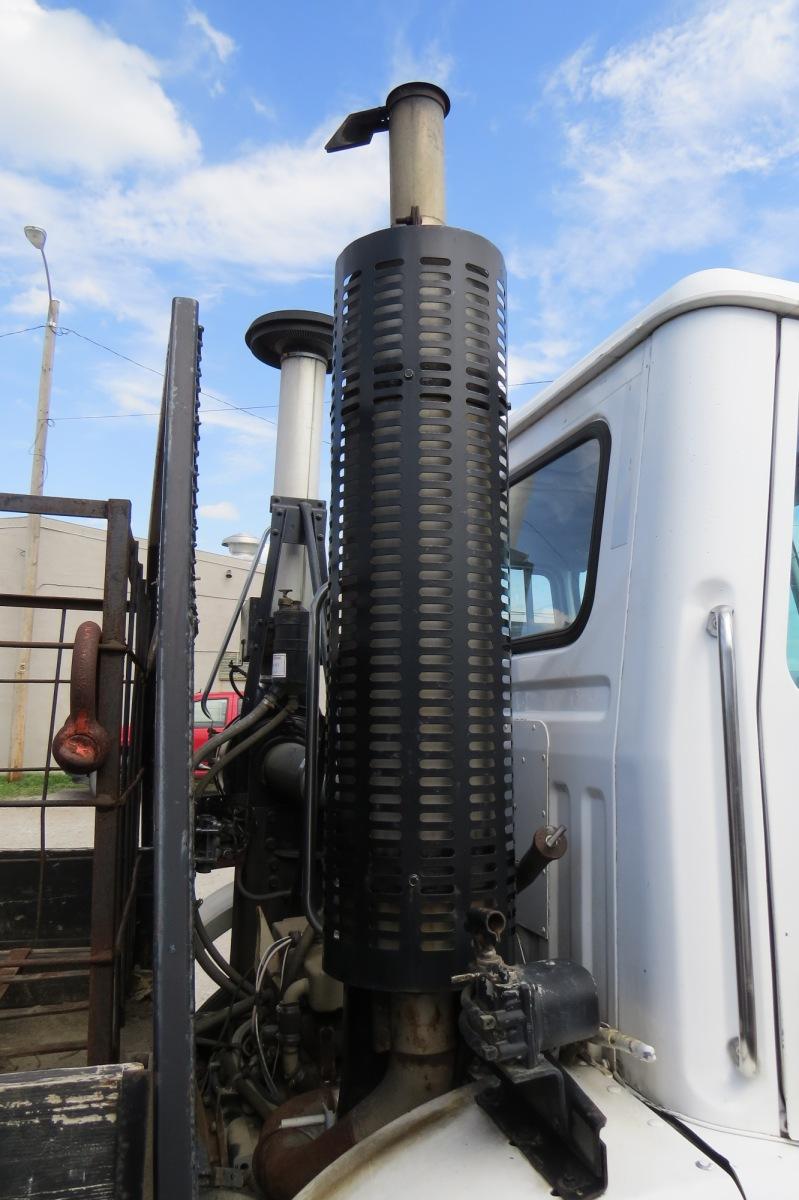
171	573
103	1037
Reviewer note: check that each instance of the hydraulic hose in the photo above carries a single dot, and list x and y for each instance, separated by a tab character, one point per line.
240	725
204	1022
233	975
211	969
252	740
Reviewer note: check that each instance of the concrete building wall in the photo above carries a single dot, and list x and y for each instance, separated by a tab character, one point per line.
71	563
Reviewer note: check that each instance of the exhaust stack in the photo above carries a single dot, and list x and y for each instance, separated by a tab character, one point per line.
419	805
416	113
299	345
418	814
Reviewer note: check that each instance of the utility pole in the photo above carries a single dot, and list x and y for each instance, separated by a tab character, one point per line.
37	237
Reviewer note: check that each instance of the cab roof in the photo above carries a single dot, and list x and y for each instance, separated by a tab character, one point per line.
704	289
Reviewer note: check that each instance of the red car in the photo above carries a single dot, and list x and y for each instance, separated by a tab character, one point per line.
223	707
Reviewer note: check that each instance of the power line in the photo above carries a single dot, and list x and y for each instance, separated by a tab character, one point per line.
14	332
110	349
252	409
156	412
154	371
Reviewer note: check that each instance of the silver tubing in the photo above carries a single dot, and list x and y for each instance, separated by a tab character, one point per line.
312	759
416	154
720	626
233	620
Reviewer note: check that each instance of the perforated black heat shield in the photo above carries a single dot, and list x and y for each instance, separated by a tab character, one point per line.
418	813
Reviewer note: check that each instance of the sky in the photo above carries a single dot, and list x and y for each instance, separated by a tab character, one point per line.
607	148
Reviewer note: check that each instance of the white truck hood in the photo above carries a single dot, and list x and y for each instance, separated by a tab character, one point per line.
450	1147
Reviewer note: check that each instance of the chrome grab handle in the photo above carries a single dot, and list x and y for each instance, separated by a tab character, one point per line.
720	626
311	758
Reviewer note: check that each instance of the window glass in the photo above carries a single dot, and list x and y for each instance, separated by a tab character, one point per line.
218	710
793	603
551	523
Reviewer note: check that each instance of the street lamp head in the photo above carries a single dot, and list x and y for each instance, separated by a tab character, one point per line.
36	236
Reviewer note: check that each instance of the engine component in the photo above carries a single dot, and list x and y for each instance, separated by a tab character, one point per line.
418	822
624	1043
420	1068
219	836
549	844
325	994
285	1146
304	962
283	769
242	1138
511	1015
289	647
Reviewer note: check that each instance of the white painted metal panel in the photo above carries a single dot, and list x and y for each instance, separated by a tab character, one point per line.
700	541
450	1147
531	801
574	689
768	1168
717	288
779	723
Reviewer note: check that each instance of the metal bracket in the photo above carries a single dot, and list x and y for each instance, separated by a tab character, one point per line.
555	1126
358	129
531	751
311	789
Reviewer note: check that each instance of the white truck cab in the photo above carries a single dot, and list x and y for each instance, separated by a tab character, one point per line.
655	626
653	494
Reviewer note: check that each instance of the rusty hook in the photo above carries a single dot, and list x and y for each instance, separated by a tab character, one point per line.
81	745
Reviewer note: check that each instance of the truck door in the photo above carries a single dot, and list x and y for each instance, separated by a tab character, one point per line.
778	713
571	506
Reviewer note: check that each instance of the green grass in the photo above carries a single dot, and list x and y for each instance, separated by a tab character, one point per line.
31	785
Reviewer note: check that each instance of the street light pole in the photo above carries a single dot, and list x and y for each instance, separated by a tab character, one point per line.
37	237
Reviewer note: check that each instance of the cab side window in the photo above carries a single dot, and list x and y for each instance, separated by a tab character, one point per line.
555	523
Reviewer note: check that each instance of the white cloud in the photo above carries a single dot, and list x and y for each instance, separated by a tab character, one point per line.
221	43
125	234
76	97
262	108
280	211
428	63
138	393
663	138
223	510
249	428
538	362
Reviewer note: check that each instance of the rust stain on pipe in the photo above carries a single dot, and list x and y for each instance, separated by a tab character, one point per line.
420	1068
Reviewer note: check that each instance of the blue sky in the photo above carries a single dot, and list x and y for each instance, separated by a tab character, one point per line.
177	149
